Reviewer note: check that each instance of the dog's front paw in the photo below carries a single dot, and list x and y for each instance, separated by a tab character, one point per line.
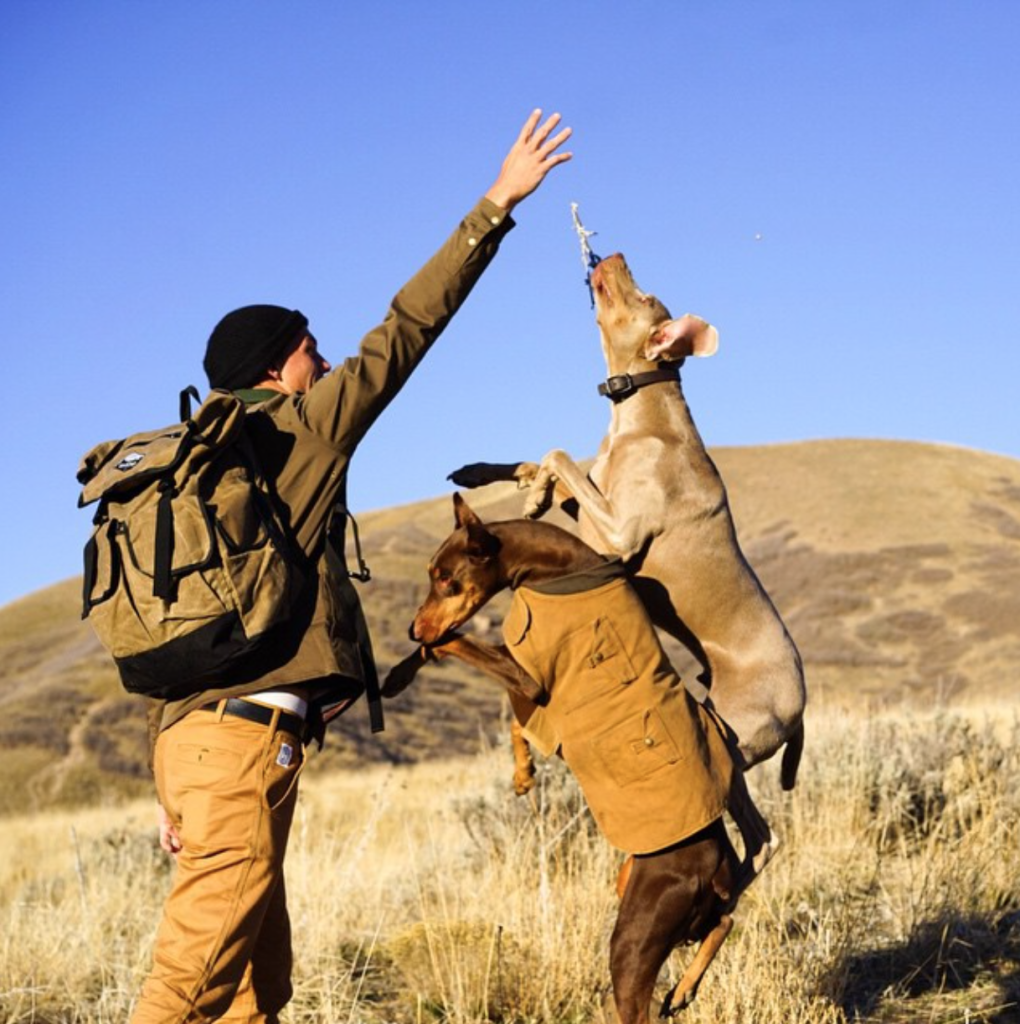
478	474
524	780
525	473
400	677
538	501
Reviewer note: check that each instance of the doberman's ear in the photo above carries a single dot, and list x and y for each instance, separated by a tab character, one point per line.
463	514
482	546
676	339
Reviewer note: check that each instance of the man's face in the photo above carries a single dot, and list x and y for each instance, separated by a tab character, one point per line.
302	366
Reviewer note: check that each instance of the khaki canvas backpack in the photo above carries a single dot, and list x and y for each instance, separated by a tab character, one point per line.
188	568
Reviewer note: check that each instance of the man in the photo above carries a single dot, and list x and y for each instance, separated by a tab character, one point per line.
227	760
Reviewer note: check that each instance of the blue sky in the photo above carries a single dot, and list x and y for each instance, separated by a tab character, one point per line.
834	185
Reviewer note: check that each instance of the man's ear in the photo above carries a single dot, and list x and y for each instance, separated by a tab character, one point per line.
674	340
463	515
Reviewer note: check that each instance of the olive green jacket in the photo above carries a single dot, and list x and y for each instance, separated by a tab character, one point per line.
653	763
304	443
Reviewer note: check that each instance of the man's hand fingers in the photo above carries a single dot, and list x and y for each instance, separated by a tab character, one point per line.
529	126
559	158
556	142
543	133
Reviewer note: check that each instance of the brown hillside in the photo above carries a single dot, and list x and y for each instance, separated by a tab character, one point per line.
896	566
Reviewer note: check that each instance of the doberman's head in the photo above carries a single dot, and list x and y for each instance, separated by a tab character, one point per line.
464	574
637	328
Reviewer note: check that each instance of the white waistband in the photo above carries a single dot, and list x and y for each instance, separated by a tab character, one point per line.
283	699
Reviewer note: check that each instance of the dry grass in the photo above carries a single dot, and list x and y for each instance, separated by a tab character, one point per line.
430	893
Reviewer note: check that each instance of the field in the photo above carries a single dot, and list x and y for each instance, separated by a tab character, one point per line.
422	890
430	893
894	565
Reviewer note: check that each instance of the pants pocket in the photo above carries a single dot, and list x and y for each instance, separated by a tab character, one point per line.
284	762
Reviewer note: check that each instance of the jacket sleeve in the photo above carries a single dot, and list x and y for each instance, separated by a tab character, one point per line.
345	403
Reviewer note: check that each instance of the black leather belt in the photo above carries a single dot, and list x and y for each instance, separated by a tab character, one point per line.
287	722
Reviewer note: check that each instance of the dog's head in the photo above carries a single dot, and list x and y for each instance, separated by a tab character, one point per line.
463	575
637	327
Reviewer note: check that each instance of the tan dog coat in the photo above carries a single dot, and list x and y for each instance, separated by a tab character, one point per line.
652	762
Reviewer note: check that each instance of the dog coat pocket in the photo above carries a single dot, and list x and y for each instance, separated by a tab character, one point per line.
635	748
597	662
517	621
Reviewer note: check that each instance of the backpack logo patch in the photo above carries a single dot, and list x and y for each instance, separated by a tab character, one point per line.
129	461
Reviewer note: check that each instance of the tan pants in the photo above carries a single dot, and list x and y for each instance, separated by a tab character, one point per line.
223	949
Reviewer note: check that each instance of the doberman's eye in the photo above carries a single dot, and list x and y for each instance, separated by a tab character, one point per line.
445	581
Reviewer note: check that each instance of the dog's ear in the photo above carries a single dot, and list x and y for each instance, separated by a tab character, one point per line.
463	514
482	546
674	340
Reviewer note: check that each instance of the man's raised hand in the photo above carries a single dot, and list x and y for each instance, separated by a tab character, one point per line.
530	159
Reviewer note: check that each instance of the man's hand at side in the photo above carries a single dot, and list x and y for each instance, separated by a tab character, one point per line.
168	837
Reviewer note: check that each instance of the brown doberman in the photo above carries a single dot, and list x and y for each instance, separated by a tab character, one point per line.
596	686
655	498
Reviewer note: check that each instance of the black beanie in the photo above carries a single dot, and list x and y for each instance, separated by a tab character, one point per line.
245	342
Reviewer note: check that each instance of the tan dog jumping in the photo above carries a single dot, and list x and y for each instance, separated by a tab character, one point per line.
655	498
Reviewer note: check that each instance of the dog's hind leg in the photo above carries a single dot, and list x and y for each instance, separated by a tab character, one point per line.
791	757
682	994
674	896
760	842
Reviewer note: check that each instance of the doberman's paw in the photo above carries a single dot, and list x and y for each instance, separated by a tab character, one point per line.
400	677
673	1004
524	781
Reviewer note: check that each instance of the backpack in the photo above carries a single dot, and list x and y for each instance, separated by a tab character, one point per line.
188	568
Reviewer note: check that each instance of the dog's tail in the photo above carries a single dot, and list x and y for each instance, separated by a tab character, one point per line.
791	757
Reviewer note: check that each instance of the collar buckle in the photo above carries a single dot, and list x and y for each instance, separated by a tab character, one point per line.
617	388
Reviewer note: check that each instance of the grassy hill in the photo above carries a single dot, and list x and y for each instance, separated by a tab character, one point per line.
894	564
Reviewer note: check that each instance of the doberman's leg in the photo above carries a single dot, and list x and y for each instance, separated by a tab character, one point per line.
495	662
719	925
656	898
488	658
634	966
670	897
682	995
524	766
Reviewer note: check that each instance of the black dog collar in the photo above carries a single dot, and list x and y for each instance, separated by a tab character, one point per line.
617	388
